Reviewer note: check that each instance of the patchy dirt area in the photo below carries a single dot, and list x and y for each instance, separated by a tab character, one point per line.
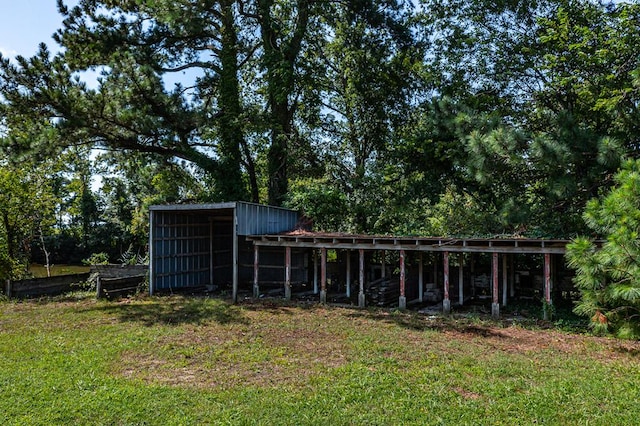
287	345
273	347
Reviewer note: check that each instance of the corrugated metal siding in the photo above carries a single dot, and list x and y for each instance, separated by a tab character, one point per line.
192	246
181	247
255	219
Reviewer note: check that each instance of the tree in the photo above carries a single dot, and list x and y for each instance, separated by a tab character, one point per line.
541	99
27	207
363	72
609	277
136	47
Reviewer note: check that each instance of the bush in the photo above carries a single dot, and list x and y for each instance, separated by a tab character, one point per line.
97	259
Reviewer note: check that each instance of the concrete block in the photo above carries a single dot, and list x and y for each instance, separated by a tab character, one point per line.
446	306
495	310
361	300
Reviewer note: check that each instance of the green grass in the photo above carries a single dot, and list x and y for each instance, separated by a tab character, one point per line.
40	271
175	361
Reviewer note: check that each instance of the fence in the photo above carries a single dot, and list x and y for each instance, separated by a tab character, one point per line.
111	281
114	281
50	286
111	288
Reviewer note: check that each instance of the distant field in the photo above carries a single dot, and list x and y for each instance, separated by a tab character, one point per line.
40	271
178	360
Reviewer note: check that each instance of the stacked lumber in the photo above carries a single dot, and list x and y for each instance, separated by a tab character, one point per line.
384	291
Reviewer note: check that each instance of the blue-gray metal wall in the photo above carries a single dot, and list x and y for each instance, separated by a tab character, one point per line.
181	250
193	245
256	219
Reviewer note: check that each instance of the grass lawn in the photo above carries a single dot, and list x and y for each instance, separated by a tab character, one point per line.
177	360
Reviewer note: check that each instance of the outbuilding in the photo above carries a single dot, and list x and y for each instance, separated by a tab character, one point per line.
244	246
205	246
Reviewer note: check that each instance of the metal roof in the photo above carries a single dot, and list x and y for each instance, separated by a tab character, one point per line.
251	218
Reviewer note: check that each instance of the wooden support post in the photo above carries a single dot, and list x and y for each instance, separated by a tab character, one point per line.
420	279
212	260
547	286
504	280
234	294
152	253
495	306
287	273
315	272
446	303
461	279
8	289
361	297
256	269
472	267
323	275
402	302
512	277
383	271
348	289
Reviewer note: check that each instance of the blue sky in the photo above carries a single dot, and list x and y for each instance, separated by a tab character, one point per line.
24	24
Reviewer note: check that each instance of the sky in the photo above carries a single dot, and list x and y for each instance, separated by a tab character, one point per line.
24	24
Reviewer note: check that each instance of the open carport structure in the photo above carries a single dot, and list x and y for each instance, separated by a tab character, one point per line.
194	246
500	251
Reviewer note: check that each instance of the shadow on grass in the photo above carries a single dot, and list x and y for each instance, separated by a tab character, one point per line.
419	322
278	306
175	310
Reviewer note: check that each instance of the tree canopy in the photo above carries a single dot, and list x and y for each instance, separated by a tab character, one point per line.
437	117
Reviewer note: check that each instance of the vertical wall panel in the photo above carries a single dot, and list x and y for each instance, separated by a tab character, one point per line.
193	245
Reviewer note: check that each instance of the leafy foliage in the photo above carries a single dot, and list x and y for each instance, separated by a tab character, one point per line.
438	117
27	205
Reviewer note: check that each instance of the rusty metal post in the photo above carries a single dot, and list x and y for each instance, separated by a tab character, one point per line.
402	302
323	275
361	297
420	279
461	279
446	303
256	268
287	273
505	288
348	289
495	306
547	286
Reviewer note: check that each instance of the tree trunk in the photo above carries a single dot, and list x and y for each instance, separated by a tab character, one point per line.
278	153
229	179
46	253
280	56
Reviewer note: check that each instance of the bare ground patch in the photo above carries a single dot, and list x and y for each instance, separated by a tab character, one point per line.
288	345
272	349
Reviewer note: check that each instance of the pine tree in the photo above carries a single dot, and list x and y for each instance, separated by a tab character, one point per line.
609	278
